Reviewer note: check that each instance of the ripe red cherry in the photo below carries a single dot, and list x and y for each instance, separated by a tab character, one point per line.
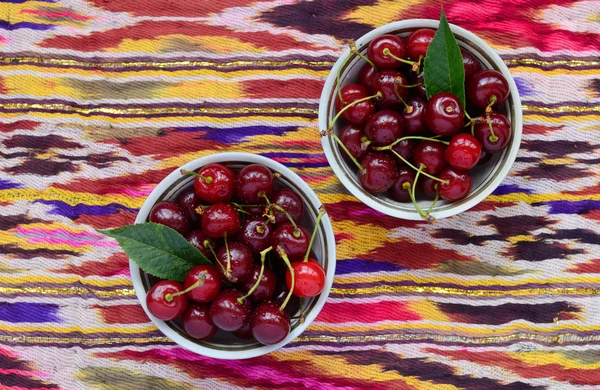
310	278
380	172
252	180
219	219
266	287
210	283
351	136
404	148
485	86
376	51
418	42
471	64
163	308
459	184
255	234
227	312
384	127
502	131
432	154
428	186
417	78
463	152
219	188
169	214
444	114
388	82
285	236
358	113
197	323
197	239
240	257
365	76
290	202
269	324
188	201
406	177
244	332
414	117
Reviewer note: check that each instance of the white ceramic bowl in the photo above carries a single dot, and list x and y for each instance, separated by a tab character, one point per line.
485	178
224	345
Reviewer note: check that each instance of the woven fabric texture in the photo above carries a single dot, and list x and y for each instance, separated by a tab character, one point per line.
101	99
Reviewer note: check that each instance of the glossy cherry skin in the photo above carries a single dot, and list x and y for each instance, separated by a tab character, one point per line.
290	202
227	313
463	152
197	323
405	149
255	211
209	286
459	184
485	84
158	305
387	82
294	247
471	64
252	180
417	78
219	219
188	201
428	186
241	260
269	324
484	158
169	214
255	234
444	114
266	287
395	44
501	126
432	154
380	172
418	42
309	278
384	127
358	113
221	188
244	332
406	176
365	76
197	239
414	117
351	136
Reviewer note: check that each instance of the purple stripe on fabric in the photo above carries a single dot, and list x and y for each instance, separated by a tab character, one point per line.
524	88
238	134
511	189
73	212
353	265
24	1
568	207
28	312
7	185
5	25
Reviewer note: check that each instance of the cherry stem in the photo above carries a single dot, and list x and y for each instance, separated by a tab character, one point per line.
207	179
322	212
337	79
364	143
335	118
411	193
200	282
228	270
263	195
437	197
354	50
493	100
206	244
345	149
279	208
468	116
408	108
390	146
473	128
417	66
283	255
387	52
416	169
263	254
240	206
493	137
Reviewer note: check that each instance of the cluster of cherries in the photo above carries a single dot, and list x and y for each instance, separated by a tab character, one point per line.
394	134
236	221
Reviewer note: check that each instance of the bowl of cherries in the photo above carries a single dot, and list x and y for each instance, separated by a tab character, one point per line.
420	119
232	255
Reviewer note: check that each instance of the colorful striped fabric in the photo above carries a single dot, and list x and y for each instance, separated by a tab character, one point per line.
101	99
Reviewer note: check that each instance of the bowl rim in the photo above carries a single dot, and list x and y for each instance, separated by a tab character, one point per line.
453	208
328	236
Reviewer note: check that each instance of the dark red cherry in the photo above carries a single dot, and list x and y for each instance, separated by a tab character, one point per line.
417	78
502	131
294	243
159	304
444	114
197	323
170	214
290	202
376	51
358	113
188	201
404	148
380	172
459	184
418	42
463	152
244	332
432	154
255	234
365	76
269	324
266	287
351	136
241	260
197	238
384	127
485	84
210	283
484	158
228	313
309	278
281	292
253	180
472	64
388	82
219	188
414	117
255	211
402	185
219	219
428	186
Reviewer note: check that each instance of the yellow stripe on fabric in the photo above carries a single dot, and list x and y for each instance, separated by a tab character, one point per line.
562	109
70	197
20	329
538	198
125	292
560	119
568	63
19	280
536	358
462	281
180	42
387	289
380	13
83	340
21	12
554	72
365	238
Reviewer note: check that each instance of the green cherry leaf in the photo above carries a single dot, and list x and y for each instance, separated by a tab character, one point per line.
444	70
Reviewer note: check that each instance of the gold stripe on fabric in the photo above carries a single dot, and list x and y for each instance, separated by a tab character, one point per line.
83	340
465	292
569	63
561	109
124	292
